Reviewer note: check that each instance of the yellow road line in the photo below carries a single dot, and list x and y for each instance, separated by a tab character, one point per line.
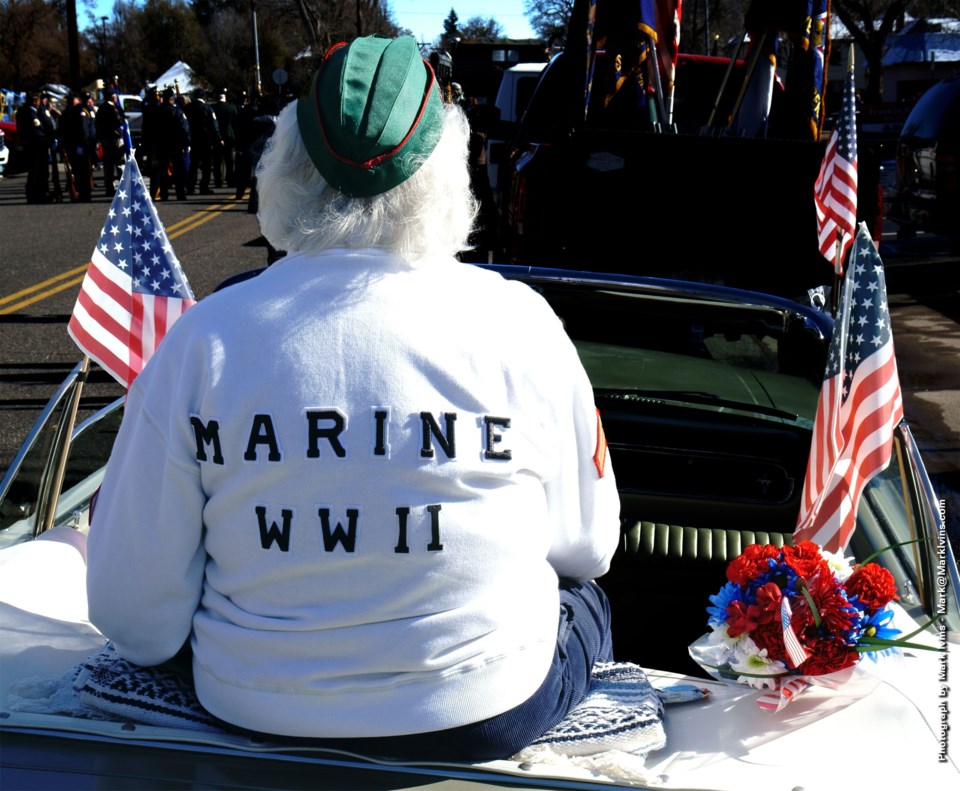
73	277
39	286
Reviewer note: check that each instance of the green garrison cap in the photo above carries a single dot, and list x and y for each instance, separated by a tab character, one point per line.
372	115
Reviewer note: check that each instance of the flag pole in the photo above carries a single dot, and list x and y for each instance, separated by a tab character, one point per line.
51	495
723	83
837	272
837	258
591	57
747	76
654	59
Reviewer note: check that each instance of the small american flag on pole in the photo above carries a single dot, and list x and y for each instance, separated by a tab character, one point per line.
835	191
134	289
795	650
860	405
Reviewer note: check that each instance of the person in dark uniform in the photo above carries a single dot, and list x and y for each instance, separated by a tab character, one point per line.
78	129
245	138
151	110
36	149
204	138
50	119
223	155
172	144
110	121
262	128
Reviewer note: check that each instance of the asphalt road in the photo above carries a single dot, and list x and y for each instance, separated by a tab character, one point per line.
44	250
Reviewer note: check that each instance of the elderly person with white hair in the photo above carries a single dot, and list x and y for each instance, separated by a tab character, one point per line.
370	486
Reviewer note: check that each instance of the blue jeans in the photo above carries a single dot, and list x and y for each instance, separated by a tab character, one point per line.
583	638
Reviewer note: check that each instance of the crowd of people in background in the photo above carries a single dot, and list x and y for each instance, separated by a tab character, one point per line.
186	145
81	137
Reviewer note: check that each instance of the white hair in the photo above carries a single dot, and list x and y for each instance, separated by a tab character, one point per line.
429	214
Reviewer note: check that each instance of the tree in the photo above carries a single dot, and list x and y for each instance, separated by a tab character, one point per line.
712	27
330	21
869	23
170	33
549	18
450	25
33	44
129	47
479	29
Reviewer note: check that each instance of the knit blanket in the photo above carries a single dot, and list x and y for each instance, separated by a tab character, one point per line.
107	687
609	732
161	695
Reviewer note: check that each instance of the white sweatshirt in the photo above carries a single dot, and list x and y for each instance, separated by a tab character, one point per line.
354	484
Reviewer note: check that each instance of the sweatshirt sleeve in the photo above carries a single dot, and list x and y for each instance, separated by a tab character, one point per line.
583	500
145	550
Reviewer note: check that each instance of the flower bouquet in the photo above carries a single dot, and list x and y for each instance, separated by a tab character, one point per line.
792	616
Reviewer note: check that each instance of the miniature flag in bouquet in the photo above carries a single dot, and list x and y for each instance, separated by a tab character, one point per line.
134	289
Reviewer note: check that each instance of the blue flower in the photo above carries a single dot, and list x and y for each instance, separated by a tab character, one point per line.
878	625
721	600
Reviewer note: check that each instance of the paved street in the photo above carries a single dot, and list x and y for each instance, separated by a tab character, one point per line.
44	250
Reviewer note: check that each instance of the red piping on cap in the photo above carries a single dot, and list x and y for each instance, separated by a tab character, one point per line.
372	163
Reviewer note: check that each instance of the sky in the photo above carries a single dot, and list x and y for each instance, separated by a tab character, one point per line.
424	18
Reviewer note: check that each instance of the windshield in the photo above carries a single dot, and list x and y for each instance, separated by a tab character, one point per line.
709	354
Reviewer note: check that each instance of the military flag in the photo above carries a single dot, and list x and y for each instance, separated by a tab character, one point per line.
134	288
835	191
860	404
816	39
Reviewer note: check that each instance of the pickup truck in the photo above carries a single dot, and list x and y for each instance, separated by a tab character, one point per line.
682	201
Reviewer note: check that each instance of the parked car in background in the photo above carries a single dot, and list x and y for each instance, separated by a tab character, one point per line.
4	152
514	93
598	171
927	194
8	132
132	108
708	396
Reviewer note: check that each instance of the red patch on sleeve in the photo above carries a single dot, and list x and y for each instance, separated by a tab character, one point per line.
600	455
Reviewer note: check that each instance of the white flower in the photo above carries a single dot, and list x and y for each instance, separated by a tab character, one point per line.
763	670
840	567
722	633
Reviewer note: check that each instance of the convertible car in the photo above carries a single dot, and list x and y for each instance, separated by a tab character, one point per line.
708	397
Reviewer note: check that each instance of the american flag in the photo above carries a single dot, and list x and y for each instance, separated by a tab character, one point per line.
860	405
134	289
795	650
836	187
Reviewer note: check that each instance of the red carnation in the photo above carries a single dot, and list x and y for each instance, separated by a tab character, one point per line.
805	559
768	602
873	585
828	655
831	604
752	562
741	618
770	636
